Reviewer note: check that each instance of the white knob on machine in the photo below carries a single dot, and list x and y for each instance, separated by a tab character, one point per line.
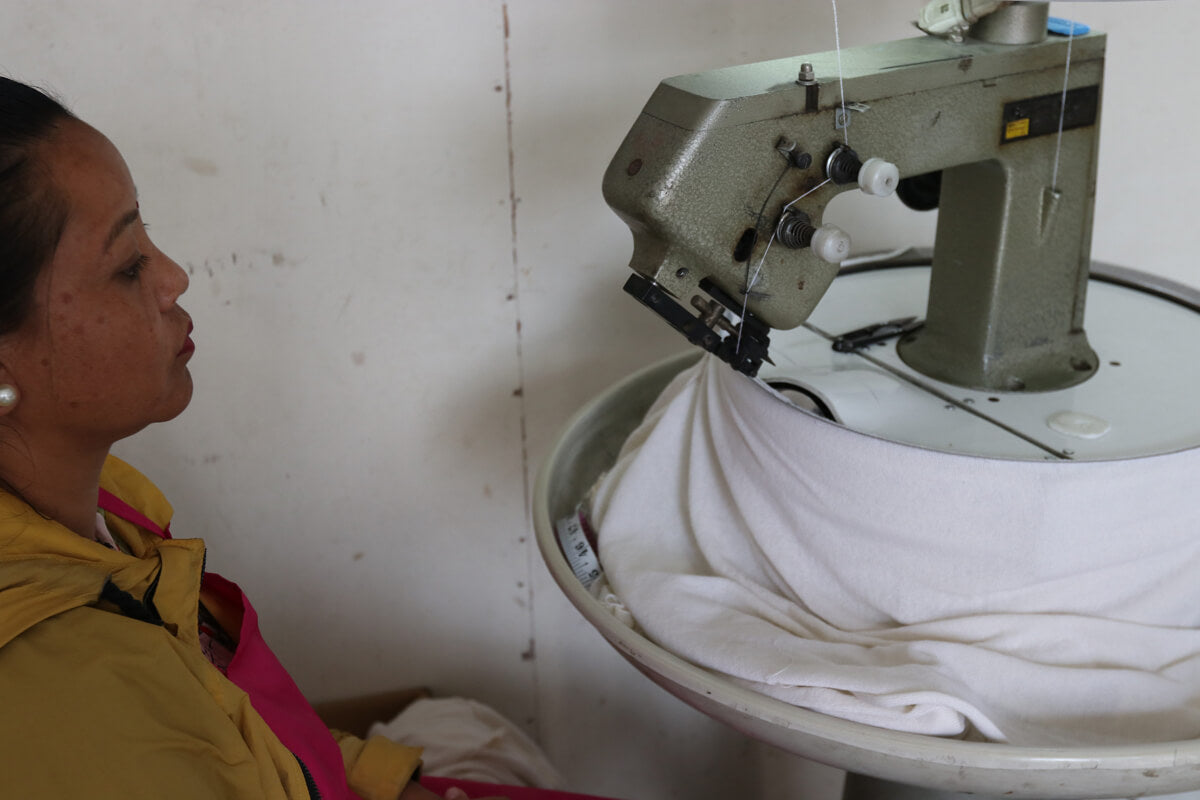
878	177
831	244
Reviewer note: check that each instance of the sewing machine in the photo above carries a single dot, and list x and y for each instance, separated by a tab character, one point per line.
725	178
724	181
709	176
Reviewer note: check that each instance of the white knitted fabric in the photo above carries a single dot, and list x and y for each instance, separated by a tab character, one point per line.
1031	602
465	739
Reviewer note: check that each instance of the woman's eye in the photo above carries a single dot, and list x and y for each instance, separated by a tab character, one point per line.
135	269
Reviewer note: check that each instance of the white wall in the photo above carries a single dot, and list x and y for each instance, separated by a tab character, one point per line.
404	279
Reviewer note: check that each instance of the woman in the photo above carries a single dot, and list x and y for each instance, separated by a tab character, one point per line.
126	671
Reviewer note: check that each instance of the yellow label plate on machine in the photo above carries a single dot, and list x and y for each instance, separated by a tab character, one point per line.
1016	129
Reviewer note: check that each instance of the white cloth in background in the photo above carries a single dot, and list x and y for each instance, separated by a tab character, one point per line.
467	740
1031	602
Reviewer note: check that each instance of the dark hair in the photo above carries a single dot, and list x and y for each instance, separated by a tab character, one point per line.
33	211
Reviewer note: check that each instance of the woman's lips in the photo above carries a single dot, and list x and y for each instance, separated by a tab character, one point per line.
188	345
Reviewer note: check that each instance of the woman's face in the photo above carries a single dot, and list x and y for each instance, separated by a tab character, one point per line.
105	350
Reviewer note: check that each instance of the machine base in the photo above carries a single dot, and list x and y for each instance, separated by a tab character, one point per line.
886	764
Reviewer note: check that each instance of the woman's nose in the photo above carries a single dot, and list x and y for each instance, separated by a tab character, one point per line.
174	283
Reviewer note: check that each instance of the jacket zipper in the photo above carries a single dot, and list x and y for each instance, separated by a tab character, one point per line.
313	792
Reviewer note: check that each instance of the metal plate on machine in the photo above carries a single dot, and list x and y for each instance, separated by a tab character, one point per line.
1140	402
1041	116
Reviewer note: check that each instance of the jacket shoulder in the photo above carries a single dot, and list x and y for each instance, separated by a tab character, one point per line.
70	719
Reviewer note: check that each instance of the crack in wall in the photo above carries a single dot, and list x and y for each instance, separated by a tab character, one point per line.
513	201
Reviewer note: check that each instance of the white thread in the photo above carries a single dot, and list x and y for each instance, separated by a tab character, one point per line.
754	276
837	44
1062	112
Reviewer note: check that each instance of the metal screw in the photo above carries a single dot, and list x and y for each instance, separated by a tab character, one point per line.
795	156
807	75
682	272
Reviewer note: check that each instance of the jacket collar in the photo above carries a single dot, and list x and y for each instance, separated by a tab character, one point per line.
46	569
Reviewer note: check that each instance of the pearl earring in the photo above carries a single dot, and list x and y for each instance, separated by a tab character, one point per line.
8	395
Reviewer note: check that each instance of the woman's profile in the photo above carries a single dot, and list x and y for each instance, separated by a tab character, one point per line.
126	669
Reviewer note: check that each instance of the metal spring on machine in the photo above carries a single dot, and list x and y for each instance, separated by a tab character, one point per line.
795	230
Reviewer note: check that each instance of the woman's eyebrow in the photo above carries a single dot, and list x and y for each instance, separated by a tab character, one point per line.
121	224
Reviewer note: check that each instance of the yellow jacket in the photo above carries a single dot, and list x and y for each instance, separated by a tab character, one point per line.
94	704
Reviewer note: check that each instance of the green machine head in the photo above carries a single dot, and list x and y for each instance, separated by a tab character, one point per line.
725	177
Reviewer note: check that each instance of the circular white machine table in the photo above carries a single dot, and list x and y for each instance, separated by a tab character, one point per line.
1147	347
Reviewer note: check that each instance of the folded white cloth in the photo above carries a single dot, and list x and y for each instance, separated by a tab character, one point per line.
465	739
1031	602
